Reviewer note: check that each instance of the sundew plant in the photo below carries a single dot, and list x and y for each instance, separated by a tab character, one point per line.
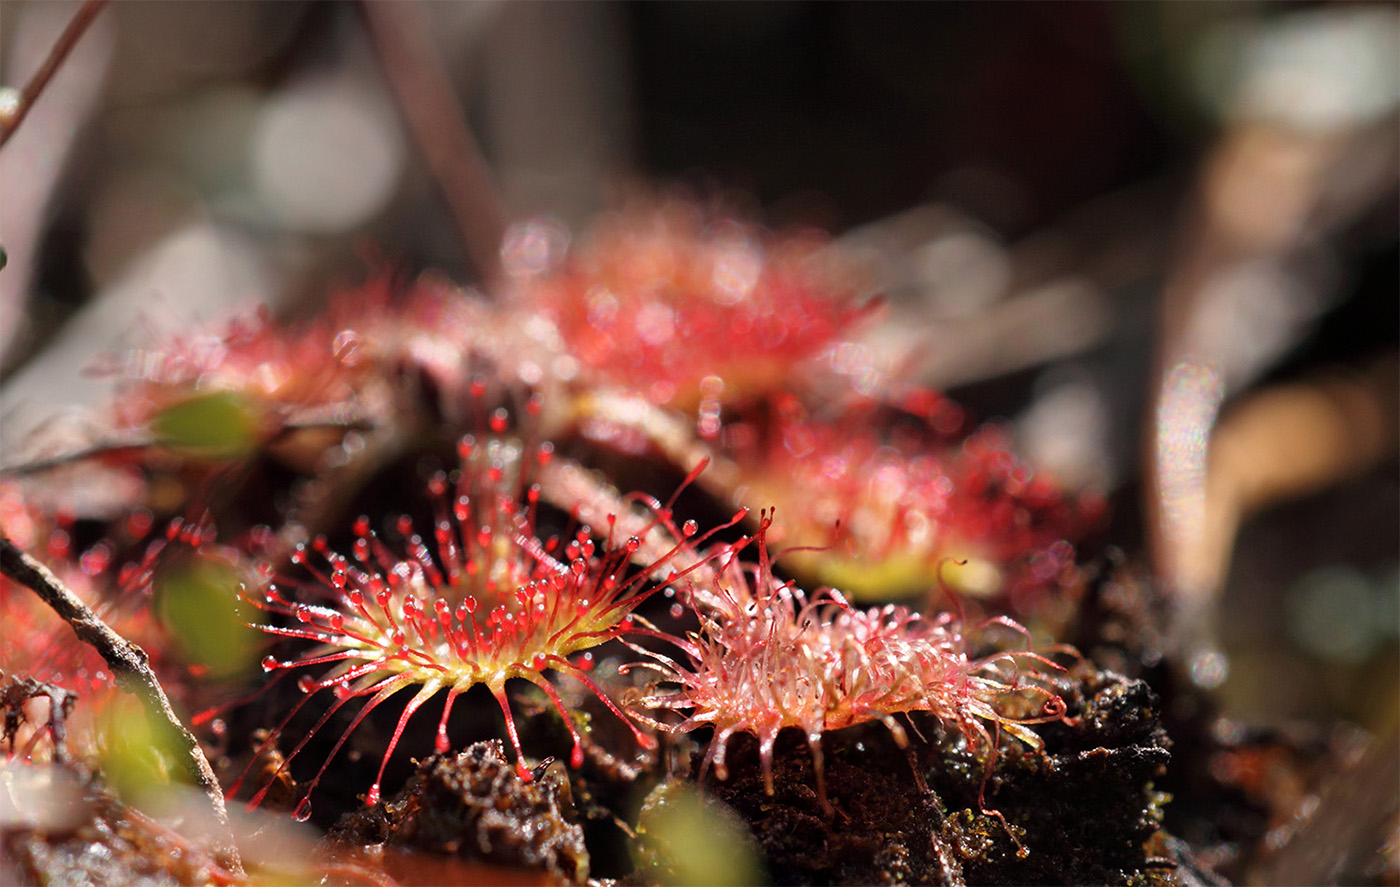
481	600
706	362
401	486
483	596
769	656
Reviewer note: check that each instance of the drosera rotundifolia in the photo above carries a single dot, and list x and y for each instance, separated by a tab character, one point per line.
482	600
769	656
431	494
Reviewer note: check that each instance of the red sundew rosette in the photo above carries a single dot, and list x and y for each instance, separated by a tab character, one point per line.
863	516
687	310
277	371
769	656
481	599
257	377
171	592
38	644
884	515
1017	518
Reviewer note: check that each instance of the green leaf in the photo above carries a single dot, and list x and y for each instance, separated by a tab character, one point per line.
137	759
196	601
218	425
686	837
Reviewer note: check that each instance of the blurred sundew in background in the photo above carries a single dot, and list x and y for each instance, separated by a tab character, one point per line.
1012	175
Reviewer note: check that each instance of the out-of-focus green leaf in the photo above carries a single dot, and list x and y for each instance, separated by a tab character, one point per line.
217	425
197	603
136	759
687	838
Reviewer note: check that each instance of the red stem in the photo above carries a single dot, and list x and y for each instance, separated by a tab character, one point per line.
9	123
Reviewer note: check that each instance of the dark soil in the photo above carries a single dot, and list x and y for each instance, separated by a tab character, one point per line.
1083	809
474	805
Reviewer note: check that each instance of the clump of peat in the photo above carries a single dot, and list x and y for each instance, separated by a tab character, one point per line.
1084	808
474	805
1089	804
882	823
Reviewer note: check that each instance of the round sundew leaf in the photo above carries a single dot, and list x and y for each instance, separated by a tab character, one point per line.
217	425
196	601
971	576
897	577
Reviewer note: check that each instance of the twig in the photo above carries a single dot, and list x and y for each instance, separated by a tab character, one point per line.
96	451
133	671
133	445
428	103
12	117
1349	825
15	694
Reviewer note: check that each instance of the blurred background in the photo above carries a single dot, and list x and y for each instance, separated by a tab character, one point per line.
1158	239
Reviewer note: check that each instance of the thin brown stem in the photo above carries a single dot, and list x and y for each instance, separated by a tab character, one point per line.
110	449
135	445
427	101
11	118
132	668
